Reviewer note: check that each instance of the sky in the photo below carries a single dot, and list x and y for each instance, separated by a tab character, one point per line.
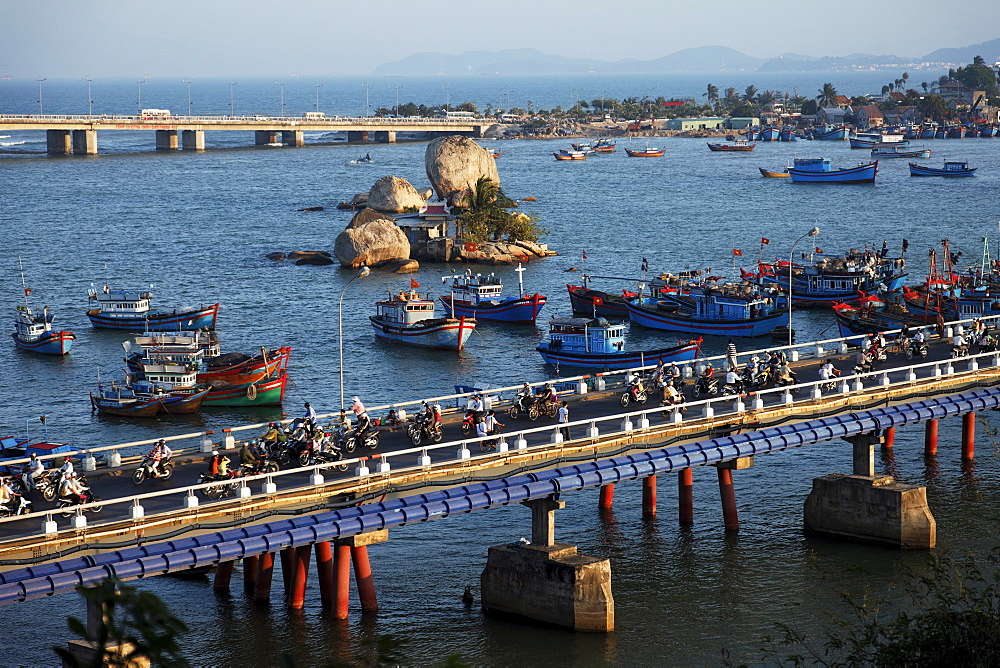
207	38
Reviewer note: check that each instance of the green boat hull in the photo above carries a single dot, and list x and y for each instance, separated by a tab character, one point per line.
260	393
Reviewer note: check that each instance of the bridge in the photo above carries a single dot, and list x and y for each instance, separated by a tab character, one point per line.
339	514
77	134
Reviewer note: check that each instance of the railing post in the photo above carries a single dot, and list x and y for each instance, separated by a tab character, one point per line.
228	441
243	491
137	511
424	459
362	470
599	384
738	405
79	520
817	392
522	444
593	431
885	379
786	398
911	374
114	459
627	424
206	442
793	355
557	436
973	364
708	411
383	465
316	478
820	351
581	386
463	452
858	385
677	417
268	487
89	463
643	421
49	526
843	347
190	501
502	445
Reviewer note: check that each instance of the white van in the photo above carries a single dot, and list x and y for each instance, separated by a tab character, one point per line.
314	115
155	113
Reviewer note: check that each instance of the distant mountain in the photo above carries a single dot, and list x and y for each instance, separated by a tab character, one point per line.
990	51
700	59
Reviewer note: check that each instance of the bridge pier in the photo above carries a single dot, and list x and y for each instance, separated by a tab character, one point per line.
968	437
262	583
864	452
300	573
357	135
546	581
607	496
385	136
930	438
250	567
888	438
166	140
685	496
264	137
223	575
324	572
648	496
58	142
293	138
193	140
85	142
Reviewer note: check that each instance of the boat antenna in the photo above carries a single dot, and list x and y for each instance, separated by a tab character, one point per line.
20	265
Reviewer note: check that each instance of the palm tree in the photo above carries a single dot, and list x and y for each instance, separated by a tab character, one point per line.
486	216
827	96
712	94
767	97
750	94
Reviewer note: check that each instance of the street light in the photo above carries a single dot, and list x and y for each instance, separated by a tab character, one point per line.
138	101
281	86
232	106
366	86
340	321
40	96
397	100
90	100
811	233
447	97
188	82
318	86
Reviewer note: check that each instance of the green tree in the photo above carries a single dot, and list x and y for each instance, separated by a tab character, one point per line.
809	107
827	96
750	94
467	106
743	110
933	107
486	216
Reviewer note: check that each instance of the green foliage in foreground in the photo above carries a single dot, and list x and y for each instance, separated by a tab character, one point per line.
948	615
487	216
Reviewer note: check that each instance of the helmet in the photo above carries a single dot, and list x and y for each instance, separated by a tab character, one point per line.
162	441
215	453
355	399
437	407
307	404
273	424
34	455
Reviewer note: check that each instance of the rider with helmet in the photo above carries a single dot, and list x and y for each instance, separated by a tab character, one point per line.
160	455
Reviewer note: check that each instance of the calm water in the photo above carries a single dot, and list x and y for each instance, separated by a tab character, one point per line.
198	227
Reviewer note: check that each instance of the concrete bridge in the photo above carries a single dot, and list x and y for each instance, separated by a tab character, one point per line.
77	134
339	514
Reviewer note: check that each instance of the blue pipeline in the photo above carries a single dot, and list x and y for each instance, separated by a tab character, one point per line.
209	549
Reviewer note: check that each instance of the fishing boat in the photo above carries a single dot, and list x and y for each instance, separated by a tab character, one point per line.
827	278
213	365
951	168
647	152
604	146
122	401
871	315
956	131
928	131
769	133
589	301
831	132
787	133
594	343
33	331
735	145
408	318
896	152
773	175
876	140
478	296
720	311
268	391
818	170
570	155
129	309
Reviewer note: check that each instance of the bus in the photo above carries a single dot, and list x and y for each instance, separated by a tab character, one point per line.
459	115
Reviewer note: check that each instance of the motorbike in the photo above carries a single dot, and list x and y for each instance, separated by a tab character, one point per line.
16	506
65	503
635	391
489	444
368	438
48	484
469	422
149	470
916	349
423	430
525	404
391	420
959	351
733	388
705	387
265	464
988	344
226	484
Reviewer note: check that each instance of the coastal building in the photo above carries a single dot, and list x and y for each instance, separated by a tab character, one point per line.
740	123
832	115
686	124
868	116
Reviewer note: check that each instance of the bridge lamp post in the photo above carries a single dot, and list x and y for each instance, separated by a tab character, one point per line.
318	86
40	80
138	101
340	321
811	233
281	87
397	100
447	97
90	99
232	100
188	82
366	87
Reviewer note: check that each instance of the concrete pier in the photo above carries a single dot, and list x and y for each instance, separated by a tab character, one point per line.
357	135
58	142
85	142
264	137
293	138
193	140
166	140
385	137
870	509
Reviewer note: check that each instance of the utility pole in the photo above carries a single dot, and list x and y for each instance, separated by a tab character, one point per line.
188	82
366	86
90	101
318	86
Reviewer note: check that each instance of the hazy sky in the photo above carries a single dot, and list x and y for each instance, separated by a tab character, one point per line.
158	38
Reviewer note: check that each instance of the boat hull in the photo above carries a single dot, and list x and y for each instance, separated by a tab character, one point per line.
731	147
610	306
50	343
522	309
920	170
772	175
262	393
157	321
182	404
611	361
437	333
644	154
679	321
250	371
836	134
142	409
860	174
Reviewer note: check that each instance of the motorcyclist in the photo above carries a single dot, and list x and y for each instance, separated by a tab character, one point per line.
671	396
73	488
274	434
525	397
674	372
160	455
32	471
361	415
786	375
959	344
218	465
309	417
249	458
547	394
6	494
733	380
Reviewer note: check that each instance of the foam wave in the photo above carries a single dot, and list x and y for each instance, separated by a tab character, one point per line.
12	143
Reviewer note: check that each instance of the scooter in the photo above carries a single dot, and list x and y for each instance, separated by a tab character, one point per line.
916	349
420	429
636	392
525	404
66	504
705	387
148	469
16	506
368	438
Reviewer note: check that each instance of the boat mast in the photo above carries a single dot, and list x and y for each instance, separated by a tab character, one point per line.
20	265
520	279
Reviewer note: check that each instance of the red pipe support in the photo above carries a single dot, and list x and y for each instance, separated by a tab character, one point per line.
287	557
890	438
363	578
649	496
685	495
300	573
342	580
969	436
730	517
265	572
250	567
223	574
607	496
324	570
931	438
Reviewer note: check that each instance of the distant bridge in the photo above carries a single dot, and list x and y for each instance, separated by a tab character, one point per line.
77	134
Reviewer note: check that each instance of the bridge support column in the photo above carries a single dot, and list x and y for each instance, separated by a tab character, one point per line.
543	520
345	551
363	578
85	142
864	452
730	516
166	140
385	136
264	137
968	436
324	572
888	438
649	496
223	575
250	567
193	140
871	509
685	496
300	573
930	438
607	497
87	652
58	142
287	557
357	135
265	572
293	138
341	580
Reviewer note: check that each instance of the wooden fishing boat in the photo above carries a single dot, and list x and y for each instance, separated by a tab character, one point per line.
33	331
266	392
597	302
130	309
478	296
570	155
951	168
408	318
895	152
710	310
769	133
645	152
773	175
871	140
831	132
604	146
735	145
594	343
818	170
123	402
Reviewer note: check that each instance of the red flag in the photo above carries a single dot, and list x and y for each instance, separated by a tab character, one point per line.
819	250
764	241
27	291
584	255
737	252
413	284
598	301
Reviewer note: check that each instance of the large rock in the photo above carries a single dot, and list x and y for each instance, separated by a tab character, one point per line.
391	194
455	163
366	216
372	242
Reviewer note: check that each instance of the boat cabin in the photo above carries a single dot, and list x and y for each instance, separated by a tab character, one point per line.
166	376
29	326
719	304
120	302
587	335
405	308
475	289
208	342
813	164
955	166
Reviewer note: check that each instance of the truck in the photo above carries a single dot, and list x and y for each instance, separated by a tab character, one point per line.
314	115
155	113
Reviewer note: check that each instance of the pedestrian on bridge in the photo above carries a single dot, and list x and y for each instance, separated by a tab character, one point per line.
731	356
563	417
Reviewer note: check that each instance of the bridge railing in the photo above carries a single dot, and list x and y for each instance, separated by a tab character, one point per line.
254	118
636	421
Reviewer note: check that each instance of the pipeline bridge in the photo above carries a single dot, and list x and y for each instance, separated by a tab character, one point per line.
77	134
169	528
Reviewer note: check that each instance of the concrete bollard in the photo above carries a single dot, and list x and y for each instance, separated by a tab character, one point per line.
820	351
845	387
593	431
268	487
793	355
948	332
424	459
464	453
973	365
79	521
581	387
206	443
786	398
190	501
383	466
229	441
843	347
885	380
643	421
114	459
556	437
677	417
502	445
401	414
361	471
521	443
758	403
600	384
858	385
937	370
626	425
243	492
137	512
817	392
316	479
996	360
49	526
89	463
708	411
739	406
688	371
949	369
911	375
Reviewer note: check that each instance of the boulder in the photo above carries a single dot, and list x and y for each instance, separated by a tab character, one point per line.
360	198
366	216
277	255
318	260
399	265
371	243
391	194
295	255
455	163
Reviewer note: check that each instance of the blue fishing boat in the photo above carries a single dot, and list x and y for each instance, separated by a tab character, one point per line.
876	140
818	170
872	315
33	332
831	132
951	168
130	309
708	310
769	133
898	151
594	343
828	278
481	296
408	318
928	131
956	132
987	130
787	133
123	401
